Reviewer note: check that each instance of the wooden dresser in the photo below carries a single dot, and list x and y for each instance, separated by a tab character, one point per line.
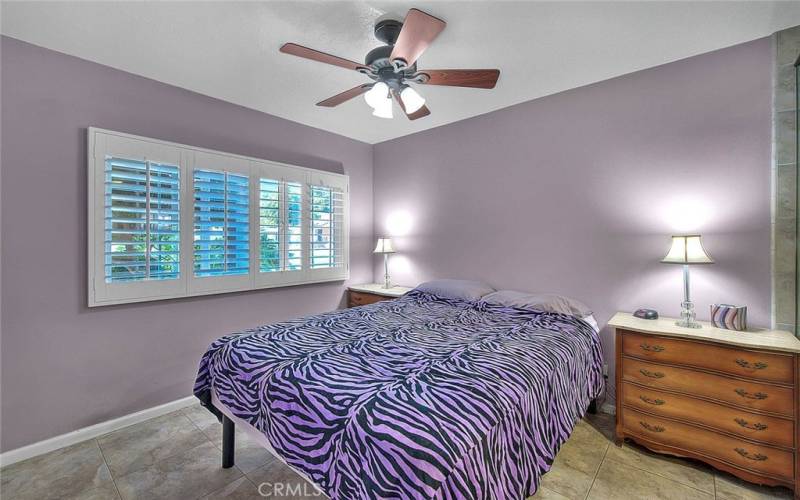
361	295
731	399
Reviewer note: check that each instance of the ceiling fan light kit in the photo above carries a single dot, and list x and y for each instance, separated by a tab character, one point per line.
411	99
394	65
384	108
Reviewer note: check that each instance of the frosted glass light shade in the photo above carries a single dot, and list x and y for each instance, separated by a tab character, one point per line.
411	100
384	246
376	94
687	250
383	109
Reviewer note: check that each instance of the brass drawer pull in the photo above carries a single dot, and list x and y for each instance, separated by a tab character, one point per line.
648	373
758	365
758	457
657	402
651	428
756	427
652	348
743	393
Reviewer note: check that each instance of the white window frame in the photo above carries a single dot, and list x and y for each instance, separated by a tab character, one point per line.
103	142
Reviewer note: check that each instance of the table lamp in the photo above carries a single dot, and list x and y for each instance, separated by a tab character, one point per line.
384	246
687	250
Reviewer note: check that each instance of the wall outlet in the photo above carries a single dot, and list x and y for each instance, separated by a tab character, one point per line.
605	370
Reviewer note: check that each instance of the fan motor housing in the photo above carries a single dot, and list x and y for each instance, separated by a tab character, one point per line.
376	56
379	58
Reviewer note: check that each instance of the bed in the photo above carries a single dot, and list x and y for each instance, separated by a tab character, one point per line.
418	397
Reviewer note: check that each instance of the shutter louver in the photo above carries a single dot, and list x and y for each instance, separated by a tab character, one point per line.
326	227
221	224
293	248
270	237
142	220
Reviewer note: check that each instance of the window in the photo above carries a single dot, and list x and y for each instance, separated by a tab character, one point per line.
294	226
221	224
270	241
168	220
142	220
325	227
280	224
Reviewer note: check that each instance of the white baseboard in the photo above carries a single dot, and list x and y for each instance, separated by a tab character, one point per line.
96	430
93	431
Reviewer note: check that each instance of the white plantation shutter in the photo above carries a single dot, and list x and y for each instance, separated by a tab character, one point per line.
327	225
221	223
142	220
326	228
280	225
168	220
271	238
293	223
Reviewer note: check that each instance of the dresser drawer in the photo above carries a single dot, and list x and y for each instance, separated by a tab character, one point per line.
766	429
773	367
362	299
743	454
720	388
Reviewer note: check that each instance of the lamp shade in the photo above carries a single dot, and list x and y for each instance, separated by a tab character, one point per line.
687	249
384	246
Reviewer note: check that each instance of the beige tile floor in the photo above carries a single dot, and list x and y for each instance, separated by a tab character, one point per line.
177	456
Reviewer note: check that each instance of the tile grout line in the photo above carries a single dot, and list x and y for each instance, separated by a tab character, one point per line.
162	458
605	454
208	439
714	483
665	477
103	455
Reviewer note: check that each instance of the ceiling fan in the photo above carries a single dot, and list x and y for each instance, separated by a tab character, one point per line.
394	65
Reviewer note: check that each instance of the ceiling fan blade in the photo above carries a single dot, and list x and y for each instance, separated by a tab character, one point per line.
423	111
345	96
419	30
316	55
477	78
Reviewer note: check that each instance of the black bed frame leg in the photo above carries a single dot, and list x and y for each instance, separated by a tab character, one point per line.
228	442
592	407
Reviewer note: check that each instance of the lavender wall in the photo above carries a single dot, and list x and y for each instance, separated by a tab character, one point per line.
575	193
65	366
578	192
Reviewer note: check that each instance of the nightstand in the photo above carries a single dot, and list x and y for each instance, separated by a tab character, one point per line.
361	295
728	398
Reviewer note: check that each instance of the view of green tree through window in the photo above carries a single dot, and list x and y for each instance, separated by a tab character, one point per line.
326	206
142	220
294	226
270	225
280	225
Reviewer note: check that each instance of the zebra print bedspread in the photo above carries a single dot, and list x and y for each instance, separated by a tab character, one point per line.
419	397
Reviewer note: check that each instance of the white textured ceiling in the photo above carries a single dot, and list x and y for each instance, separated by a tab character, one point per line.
229	50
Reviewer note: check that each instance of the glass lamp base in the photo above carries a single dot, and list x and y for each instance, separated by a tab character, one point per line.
688	315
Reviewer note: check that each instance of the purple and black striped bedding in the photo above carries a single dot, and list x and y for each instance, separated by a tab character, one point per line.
419	397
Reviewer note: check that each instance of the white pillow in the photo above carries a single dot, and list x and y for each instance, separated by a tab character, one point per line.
592	322
547	302
456	289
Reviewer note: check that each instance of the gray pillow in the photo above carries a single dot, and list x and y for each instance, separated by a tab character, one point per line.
547	302
456	289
